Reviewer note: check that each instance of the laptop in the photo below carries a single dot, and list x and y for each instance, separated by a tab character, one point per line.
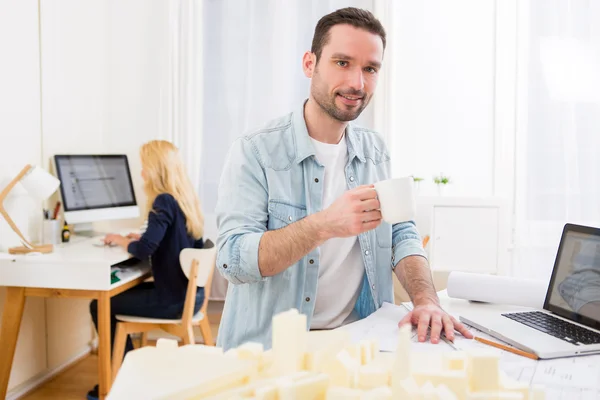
569	324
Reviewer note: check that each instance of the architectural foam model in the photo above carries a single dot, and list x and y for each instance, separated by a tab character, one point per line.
314	365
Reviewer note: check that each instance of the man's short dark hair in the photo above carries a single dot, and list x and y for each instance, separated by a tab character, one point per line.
356	17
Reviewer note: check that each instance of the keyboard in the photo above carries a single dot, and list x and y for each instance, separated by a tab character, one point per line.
98	241
559	328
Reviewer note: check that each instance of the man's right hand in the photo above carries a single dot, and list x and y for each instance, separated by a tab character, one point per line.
354	212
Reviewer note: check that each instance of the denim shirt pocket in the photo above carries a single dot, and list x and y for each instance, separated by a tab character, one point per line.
282	213
383	234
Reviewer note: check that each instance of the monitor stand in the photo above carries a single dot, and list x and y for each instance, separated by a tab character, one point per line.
86	230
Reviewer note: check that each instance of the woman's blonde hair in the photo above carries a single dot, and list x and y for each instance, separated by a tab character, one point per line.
165	173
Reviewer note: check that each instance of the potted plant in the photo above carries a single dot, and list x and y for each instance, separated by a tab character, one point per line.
417	180
441	181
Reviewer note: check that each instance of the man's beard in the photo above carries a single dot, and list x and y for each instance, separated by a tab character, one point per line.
328	104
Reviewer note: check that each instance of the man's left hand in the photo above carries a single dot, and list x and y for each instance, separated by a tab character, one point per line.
432	315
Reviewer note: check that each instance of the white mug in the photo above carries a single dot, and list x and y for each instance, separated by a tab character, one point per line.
52	231
397	200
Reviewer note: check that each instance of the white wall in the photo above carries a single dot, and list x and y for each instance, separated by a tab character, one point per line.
19	105
443	92
20	138
103	74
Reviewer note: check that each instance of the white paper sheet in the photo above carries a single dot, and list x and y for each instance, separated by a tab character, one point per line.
382	326
497	289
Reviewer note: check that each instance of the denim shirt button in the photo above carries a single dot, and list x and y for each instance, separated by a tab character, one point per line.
290	217
351	179
311	261
373	286
224	266
316	180
307	299
366	252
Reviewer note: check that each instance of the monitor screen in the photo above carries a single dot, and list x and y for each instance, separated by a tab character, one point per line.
91	182
575	286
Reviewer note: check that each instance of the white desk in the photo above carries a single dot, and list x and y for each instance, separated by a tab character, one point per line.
76	270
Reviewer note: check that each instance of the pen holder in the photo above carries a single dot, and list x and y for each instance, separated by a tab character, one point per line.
51	231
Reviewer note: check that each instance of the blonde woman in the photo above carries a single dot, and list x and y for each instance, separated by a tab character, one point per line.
175	222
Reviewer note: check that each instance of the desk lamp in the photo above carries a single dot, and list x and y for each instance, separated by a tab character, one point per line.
39	184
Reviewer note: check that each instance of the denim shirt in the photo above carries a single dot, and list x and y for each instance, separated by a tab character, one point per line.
272	179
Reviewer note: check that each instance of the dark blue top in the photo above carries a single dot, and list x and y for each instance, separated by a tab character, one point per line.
163	240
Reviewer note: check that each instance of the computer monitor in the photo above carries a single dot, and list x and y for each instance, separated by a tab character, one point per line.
95	188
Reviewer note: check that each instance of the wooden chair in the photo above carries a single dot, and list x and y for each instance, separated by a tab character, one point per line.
199	266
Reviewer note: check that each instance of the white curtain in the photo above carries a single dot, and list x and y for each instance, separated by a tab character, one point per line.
182	93
558	127
252	73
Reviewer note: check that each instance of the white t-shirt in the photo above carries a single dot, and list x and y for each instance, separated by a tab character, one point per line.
341	267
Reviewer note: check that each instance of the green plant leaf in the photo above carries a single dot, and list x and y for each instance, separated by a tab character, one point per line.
441	179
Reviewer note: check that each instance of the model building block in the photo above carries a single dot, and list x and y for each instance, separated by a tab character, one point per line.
250	351
342	369
322	347
406	389
499	395
312	387
456	381
402	362
343	393
380	393
371	376
484	373
289	341
444	393
454	360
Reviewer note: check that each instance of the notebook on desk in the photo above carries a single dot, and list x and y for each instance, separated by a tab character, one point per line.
569	323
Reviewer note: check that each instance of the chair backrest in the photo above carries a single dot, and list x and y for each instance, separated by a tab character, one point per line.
205	256
198	265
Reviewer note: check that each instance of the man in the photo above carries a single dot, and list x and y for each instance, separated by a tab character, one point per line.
298	217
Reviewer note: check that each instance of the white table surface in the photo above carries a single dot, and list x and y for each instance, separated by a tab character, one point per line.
76	265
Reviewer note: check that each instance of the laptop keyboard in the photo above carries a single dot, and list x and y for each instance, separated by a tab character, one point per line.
556	327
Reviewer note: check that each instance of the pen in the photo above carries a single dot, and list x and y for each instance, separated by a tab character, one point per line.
507	348
449	342
56	208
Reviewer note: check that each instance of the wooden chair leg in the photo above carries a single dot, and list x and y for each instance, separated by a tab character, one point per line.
188	335
144	339
119	348
206	331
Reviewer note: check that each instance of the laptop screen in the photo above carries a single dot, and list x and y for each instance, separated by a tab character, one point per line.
574	290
